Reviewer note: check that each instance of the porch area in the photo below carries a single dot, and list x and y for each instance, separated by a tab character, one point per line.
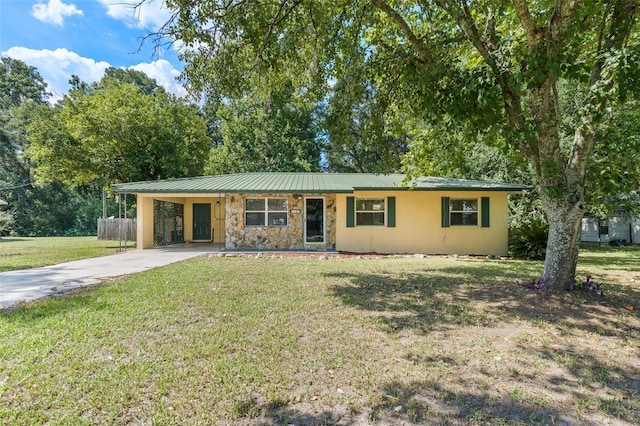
182	221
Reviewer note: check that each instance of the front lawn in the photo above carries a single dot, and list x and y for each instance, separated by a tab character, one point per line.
322	340
31	252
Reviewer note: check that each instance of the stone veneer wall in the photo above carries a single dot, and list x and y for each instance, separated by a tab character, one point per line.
290	237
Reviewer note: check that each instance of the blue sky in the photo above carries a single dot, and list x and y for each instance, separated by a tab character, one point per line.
84	37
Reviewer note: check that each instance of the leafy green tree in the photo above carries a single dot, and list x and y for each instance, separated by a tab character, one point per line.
613	172
612	177
366	130
21	87
143	82
19	83
34	209
265	132
146	84
116	133
448	149
490	64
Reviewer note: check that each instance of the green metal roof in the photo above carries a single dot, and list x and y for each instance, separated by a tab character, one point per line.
244	183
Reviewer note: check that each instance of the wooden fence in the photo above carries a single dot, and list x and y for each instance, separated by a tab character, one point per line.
117	229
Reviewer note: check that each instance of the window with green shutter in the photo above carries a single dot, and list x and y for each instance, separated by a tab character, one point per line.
463	212
371	212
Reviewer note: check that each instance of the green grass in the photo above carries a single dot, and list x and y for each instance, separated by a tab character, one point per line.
27	252
271	340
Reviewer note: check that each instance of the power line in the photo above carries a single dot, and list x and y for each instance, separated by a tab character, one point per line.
15	187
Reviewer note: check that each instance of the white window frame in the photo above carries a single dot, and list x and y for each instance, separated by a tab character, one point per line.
464	211
266	211
374	211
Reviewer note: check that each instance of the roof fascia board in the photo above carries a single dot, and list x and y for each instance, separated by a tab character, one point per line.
447	188
193	193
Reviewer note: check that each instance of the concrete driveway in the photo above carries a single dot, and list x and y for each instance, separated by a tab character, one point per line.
30	284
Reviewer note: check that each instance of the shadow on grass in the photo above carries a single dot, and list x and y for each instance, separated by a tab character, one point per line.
585	368
431	403
12	239
281	413
478	294
482	295
416	403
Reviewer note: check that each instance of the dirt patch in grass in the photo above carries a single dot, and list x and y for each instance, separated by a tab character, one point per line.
460	346
327	341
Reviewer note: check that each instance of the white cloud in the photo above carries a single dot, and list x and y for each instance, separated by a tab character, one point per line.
165	75
54	12
57	66
152	14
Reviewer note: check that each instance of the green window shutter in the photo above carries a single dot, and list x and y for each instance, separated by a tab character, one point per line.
351	212
485	212
445	212
391	212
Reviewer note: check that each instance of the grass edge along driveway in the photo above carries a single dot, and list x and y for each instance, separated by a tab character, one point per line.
31	252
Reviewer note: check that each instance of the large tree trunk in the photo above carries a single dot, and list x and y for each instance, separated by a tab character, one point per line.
563	244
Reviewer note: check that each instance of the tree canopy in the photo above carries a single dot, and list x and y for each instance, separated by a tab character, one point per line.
20	82
266	131
115	132
21	87
490	65
49	209
367	131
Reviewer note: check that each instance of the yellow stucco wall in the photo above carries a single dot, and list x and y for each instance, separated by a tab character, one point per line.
145	216
144	225
217	216
419	226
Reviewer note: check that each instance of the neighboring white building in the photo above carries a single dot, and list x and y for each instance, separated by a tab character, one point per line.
615	228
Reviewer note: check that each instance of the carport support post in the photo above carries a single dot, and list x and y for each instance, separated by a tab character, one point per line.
126	223
119	223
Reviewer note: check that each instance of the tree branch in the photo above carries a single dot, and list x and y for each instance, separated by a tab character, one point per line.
282	13
623	18
524	15
504	77
421	50
560	20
